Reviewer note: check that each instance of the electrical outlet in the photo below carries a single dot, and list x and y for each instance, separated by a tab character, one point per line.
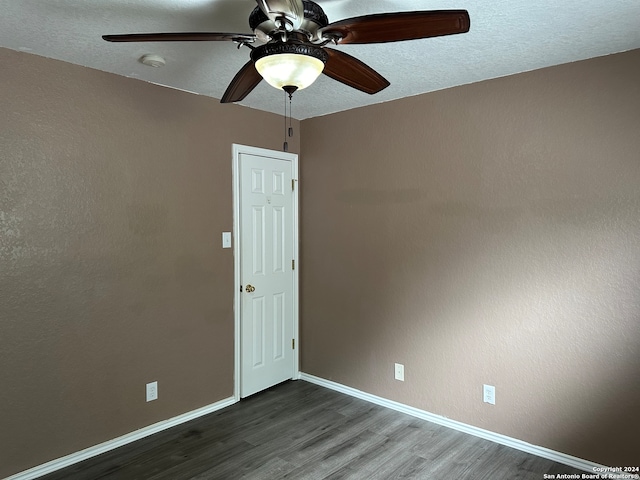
152	391
399	372
489	394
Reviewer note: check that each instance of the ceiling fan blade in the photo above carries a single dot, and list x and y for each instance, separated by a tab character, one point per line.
242	84
352	72
394	27
293	10
181	37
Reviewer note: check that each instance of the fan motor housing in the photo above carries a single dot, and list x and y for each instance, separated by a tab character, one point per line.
294	48
314	19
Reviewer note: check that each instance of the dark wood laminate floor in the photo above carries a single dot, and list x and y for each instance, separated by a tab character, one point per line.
298	430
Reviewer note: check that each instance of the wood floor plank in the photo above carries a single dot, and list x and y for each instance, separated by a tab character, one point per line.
301	431
331	458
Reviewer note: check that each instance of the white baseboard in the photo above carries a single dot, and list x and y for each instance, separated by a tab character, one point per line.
87	453
462	427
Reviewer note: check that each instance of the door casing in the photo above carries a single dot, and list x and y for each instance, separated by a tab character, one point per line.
237	150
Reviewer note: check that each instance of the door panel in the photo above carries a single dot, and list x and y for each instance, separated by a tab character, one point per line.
257	330
279	240
258	240
279	327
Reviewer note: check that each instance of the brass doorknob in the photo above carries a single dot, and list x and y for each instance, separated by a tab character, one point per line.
250	288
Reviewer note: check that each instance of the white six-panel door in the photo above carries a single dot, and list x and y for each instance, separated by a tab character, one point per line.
266	228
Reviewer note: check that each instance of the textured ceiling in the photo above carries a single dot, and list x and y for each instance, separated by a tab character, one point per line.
506	37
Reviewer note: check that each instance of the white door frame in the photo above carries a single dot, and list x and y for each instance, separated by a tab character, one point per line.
293	158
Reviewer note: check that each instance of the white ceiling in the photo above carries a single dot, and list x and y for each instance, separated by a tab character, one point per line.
506	37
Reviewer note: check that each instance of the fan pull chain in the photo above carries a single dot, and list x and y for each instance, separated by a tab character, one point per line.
288	90
285	145
290	114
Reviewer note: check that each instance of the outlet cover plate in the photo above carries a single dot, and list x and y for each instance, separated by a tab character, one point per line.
152	391
489	394
399	372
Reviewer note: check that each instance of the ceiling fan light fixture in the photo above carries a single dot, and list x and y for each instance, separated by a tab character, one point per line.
289	65
296	32
289	69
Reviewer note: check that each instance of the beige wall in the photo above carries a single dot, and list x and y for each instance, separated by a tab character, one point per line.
113	197
485	234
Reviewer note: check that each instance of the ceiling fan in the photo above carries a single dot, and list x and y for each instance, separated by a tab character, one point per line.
294	36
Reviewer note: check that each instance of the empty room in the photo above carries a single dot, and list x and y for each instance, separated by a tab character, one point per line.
461	211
